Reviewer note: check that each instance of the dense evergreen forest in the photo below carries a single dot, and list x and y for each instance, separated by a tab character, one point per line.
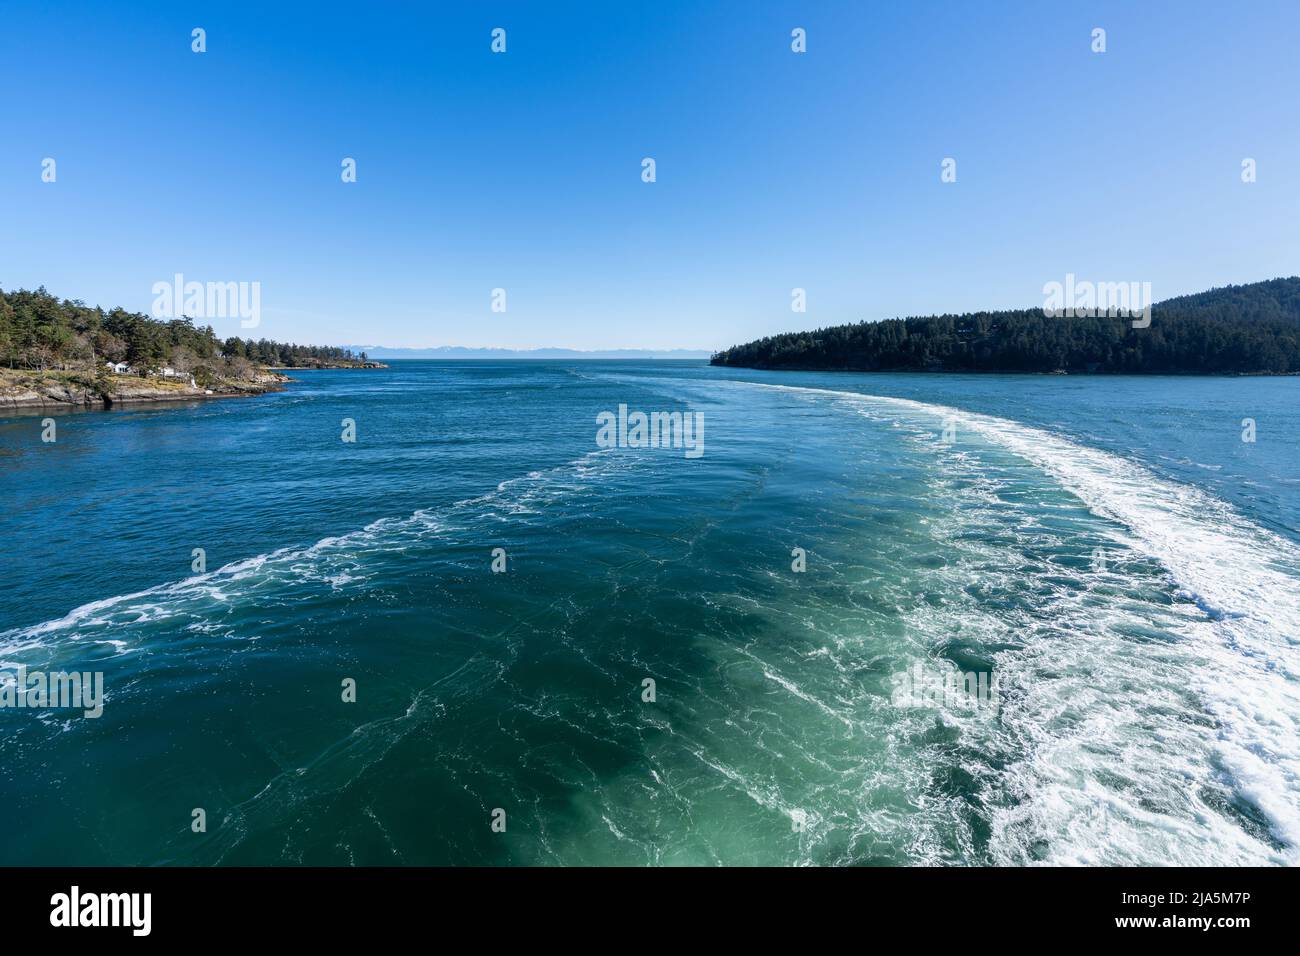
1236	329
41	331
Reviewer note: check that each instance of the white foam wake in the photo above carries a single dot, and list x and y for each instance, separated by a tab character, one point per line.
1245	578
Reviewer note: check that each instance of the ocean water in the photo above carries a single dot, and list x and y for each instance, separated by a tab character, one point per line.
1108	550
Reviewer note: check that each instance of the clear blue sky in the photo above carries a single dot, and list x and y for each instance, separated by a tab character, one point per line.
522	170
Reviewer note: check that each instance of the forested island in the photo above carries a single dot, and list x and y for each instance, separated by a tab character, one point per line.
58	351
1244	329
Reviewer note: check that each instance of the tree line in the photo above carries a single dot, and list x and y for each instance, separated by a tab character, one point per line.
41	331
1237	329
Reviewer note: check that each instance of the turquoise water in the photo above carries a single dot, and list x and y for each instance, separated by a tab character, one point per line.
1108	548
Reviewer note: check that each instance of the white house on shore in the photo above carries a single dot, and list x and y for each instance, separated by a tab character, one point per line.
169	372
121	368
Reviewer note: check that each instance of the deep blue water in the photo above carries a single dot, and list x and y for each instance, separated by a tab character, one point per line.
1109	548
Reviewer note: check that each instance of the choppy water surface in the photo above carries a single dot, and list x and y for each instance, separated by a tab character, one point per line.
1108	548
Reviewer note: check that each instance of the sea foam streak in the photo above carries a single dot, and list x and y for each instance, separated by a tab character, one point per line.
1245	578
335	561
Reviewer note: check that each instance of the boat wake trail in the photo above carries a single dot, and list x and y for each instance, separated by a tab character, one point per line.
1142	633
1128	743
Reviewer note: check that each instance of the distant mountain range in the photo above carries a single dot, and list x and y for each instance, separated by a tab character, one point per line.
459	352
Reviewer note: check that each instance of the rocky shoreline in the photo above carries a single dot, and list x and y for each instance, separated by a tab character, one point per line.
27	389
